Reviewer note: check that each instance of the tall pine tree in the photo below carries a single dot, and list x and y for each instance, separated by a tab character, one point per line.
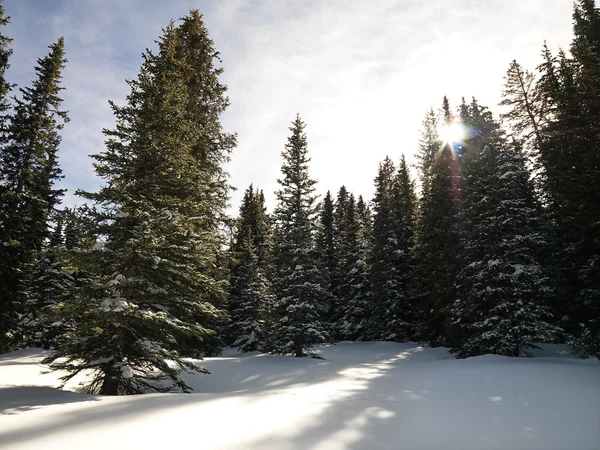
438	242
356	304
393	227
156	287
28	195
299	305
571	161
250	296
503	288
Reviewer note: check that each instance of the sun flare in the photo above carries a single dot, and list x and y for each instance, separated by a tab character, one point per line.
452	132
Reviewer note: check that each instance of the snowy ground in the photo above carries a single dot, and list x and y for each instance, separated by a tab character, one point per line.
363	396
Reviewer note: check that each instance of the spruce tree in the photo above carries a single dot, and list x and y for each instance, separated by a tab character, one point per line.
5	86
570	158
393	228
50	286
438	243
327	256
251	299
250	296
502	288
29	170
355	290
381	263
525	105
299	305
156	289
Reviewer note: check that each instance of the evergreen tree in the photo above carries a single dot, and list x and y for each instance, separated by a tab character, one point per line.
344	229
5	86
429	146
29	169
51	285
571	160
502	289
156	287
393	230
299	304
73	224
327	255
250	296
438	242
356	289
525	106
381	264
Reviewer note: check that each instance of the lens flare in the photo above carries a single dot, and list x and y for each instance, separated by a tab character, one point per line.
452	132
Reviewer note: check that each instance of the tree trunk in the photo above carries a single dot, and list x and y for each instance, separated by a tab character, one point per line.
110	385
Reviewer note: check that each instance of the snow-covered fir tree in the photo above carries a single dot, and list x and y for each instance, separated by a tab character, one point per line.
28	172
355	289
327	256
571	162
502	288
50	286
437	246
250	299
393	228
299	305
157	218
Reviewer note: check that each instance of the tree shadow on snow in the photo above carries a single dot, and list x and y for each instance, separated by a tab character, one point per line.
16	399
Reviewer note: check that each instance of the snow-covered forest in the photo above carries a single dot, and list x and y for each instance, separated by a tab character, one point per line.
486	250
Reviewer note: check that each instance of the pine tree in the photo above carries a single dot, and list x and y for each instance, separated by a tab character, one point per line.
525	105
73	224
327	256
571	161
344	230
5	86
381	264
438	243
405	205
299	304
29	170
355	290
51	285
429	145
393	228
156	286
502	289
250	296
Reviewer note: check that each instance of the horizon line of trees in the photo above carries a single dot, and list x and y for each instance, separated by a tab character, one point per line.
499	250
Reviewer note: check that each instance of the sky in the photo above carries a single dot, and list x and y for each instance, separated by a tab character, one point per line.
360	74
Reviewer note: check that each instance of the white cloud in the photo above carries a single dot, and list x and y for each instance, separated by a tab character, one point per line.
361	74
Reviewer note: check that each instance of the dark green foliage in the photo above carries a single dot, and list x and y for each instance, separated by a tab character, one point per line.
5	86
156	289
570	156
250	295
299	305
502	288
438	242
526	108
28	170
328	257
252	298
355	290
393	229
50	287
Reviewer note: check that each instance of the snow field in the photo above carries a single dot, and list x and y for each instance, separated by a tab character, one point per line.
362	396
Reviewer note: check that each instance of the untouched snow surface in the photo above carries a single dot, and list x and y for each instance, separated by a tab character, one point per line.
363	396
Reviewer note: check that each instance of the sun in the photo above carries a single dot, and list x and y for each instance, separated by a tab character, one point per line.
452	132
